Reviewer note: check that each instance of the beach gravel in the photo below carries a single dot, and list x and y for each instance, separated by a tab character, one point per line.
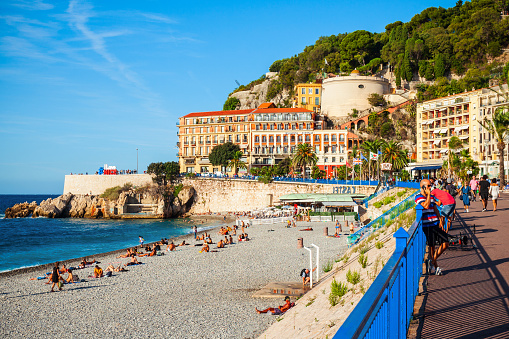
183	294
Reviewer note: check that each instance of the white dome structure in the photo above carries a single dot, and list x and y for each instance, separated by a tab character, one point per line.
341	94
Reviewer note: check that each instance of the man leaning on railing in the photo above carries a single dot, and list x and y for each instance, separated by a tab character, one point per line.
430	226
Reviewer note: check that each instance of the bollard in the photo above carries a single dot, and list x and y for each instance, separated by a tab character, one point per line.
326	231
300	243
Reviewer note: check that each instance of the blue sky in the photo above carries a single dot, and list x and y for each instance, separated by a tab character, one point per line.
84	83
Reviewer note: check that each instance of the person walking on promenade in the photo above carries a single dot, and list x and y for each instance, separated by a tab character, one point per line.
473	186
495	192
55	278
465	196
484	187
430	225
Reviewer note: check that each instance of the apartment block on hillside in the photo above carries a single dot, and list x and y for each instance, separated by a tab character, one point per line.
458	115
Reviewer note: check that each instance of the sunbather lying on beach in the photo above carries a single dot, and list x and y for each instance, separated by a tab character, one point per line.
112	268
205	248
151	254
279	310
84	263
46	276
171	247
184	243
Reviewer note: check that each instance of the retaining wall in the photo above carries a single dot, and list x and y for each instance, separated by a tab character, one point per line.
222	195
97	184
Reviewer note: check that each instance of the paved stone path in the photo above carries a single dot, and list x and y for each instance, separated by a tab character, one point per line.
471	299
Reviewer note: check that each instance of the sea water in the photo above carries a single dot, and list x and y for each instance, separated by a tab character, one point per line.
31	241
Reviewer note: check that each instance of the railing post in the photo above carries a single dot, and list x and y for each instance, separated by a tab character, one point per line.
398	318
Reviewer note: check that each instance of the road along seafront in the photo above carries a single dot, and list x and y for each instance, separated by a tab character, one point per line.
181	294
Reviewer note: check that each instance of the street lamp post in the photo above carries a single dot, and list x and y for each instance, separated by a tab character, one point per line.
137	161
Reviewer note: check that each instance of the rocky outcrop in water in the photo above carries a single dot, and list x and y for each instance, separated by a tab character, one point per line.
130	204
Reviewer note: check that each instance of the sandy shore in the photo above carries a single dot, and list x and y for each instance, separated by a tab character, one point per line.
183	294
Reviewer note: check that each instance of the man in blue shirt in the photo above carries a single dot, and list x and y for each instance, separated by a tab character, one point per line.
430	224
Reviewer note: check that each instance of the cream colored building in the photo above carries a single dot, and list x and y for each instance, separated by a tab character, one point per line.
457	115
341	94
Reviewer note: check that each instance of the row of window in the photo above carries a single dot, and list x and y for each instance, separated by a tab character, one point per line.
215	138
300	138
191	121
282	117
310	100
310	91
291	149
216	129
282	127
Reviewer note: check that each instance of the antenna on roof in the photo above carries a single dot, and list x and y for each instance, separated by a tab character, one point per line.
237	83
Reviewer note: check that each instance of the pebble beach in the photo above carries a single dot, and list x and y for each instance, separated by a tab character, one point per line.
182	294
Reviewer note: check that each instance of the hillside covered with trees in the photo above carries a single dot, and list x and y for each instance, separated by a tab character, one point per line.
463	40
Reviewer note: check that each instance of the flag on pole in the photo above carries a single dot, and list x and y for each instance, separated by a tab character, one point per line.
373	156
326	61
357	161
348	165
363	157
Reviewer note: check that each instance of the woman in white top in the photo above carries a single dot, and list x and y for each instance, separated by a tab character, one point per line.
494	191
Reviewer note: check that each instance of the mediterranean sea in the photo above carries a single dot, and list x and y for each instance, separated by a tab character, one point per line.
26	242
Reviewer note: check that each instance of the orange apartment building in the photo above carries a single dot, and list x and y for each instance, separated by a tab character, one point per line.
266	135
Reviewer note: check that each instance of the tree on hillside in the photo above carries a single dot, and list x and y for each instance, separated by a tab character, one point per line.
303	156
393	153
222	154
231	104
164	172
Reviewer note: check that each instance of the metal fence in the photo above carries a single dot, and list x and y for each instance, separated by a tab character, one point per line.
264	221
394	212
386	309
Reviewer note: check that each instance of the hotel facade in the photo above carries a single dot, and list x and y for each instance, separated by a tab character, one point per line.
266	135
458	115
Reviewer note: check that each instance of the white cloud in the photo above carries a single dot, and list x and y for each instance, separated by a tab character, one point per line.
36	5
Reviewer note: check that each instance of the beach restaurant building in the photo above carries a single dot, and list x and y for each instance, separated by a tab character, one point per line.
323	202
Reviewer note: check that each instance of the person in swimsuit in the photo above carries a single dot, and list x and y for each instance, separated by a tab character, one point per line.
279	310
151	254
205	248
55	278
98	272
171	247
133	261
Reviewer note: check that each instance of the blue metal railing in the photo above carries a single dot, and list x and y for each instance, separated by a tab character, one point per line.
386	309
394	212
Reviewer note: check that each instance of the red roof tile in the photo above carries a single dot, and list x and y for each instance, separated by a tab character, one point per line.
282	110
208	114
267	105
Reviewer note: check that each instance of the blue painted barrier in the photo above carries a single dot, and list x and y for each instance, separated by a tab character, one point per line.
394	212
386	309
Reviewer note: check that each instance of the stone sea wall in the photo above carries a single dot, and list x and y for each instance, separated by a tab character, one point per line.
97	184
221	195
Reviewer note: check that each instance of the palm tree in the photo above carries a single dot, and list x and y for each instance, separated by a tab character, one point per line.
304	155
236	163
498	128
395	155
454	144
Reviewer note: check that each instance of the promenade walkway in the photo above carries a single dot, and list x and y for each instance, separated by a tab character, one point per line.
471	299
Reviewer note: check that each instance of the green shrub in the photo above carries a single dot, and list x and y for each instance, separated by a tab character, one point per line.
112	193
337	291
328	266
364	248
378	204
363	260
353	277
379	244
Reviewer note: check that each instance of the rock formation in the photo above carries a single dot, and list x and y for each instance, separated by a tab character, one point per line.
129	204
